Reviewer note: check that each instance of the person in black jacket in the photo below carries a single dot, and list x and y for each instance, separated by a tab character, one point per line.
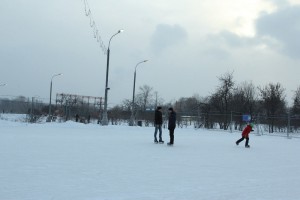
158	123
172	125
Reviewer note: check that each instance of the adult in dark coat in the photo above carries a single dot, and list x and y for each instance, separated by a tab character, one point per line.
158	123
172	125
77	117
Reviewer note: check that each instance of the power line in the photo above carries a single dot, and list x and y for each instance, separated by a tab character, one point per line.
93	25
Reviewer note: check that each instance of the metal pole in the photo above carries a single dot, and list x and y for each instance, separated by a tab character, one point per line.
258	125
131	122
31	112
133	96
105	119
133	103
50	117
100	111
231	122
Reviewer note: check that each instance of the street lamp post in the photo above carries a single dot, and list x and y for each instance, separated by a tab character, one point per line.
32	109
50	117
131	123
105	119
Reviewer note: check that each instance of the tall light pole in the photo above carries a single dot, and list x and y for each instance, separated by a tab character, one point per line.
105	119
32	107
131	122
50	117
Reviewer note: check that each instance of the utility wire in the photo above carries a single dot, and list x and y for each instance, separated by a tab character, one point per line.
93	25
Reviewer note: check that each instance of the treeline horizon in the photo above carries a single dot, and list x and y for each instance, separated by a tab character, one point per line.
223	108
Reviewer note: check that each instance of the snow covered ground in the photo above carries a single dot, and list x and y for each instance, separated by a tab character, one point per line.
72	161
13	117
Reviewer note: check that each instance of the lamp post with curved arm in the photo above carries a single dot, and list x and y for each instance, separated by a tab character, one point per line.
104	121
50	117
131	122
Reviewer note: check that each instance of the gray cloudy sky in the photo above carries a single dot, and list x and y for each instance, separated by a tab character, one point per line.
188	44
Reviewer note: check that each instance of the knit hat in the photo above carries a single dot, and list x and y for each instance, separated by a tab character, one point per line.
159	107
251	124
171	109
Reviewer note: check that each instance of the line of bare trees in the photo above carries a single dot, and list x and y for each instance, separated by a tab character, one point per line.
223	108
63	110
21	105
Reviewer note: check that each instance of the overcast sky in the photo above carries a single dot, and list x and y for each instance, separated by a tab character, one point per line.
188	43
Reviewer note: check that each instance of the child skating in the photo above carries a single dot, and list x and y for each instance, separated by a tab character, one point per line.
245	135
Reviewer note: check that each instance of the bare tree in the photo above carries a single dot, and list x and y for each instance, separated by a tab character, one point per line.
145	97
158	100
187	106
127	104
221	99
273	101
296	106
244	101
206	108
119	114
296	109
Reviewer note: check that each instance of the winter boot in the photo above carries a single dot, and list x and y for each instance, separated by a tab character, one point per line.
170	144
155	141
161	141
247	146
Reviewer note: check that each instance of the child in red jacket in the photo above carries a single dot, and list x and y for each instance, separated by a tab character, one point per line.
245	135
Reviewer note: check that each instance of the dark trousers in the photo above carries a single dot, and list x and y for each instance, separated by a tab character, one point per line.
247	140
172	135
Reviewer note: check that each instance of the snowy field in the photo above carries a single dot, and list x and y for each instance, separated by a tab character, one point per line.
72	161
